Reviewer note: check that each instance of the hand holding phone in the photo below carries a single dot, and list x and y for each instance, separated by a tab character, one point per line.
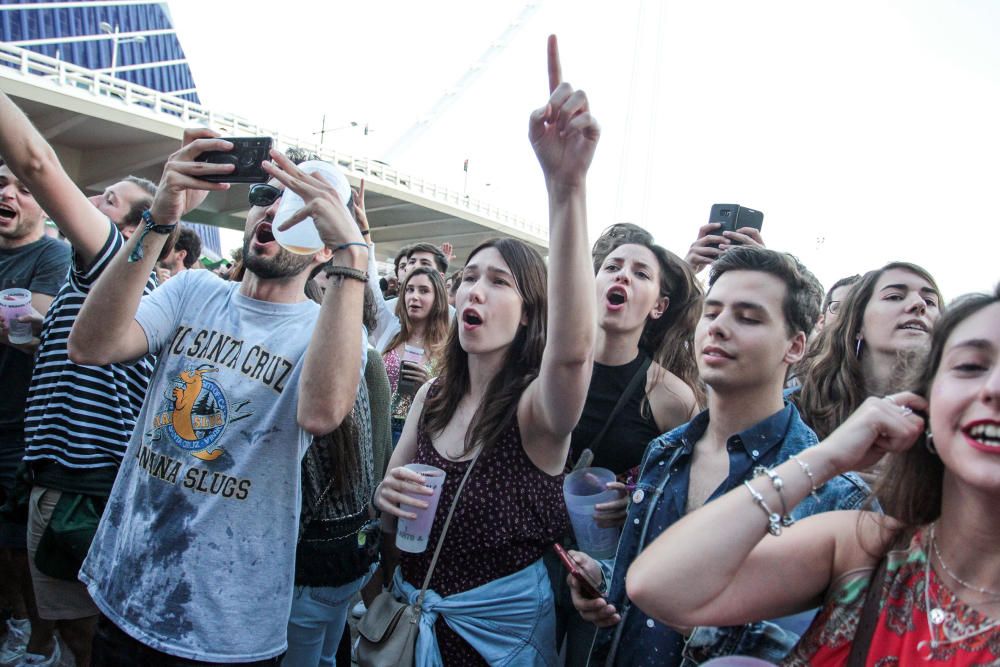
733	216
587	586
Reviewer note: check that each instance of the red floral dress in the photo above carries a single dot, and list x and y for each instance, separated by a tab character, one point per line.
902	636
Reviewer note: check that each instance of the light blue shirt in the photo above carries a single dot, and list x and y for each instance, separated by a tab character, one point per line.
508	621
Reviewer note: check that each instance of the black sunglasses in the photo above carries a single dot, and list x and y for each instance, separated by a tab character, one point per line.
263	194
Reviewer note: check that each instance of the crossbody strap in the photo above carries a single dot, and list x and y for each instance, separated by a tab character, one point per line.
444	529
868	620
630	389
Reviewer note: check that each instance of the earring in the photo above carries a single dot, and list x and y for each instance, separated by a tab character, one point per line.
929	442
857	347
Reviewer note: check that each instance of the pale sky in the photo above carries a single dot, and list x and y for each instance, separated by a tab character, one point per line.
865	130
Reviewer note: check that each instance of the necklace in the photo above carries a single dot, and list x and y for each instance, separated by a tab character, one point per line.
938	617
965	584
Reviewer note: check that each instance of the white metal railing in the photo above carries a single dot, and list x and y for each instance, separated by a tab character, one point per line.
186	113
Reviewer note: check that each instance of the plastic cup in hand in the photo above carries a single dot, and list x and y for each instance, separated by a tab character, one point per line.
411	355
303	239
583	489
16	302
412	534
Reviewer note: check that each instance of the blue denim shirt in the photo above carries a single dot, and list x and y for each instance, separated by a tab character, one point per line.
508	621
660	499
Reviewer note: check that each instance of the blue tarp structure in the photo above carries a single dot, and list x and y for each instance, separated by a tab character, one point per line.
23	24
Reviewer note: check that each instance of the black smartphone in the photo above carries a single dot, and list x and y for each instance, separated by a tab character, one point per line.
247	154
734	216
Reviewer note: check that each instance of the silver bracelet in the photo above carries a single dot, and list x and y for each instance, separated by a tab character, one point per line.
779	486
809	473
773	520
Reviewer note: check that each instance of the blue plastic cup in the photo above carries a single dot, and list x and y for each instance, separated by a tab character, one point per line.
583	489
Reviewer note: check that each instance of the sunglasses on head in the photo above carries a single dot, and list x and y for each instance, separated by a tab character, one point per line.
263	194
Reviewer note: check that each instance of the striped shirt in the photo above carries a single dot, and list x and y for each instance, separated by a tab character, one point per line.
81	417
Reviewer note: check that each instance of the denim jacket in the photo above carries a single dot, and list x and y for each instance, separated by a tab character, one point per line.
660	499
508	621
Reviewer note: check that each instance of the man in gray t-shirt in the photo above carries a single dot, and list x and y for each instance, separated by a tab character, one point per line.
194	556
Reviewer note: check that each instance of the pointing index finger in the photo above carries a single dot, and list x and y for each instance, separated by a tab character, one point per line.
555	69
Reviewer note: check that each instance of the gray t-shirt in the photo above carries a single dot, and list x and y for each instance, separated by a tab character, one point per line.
39	267
195	554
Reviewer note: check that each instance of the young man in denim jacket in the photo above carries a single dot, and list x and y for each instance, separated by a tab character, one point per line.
760	307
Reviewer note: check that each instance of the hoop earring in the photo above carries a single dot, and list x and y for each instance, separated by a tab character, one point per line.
929	442
857	347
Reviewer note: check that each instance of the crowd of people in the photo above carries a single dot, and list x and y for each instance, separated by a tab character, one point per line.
210	469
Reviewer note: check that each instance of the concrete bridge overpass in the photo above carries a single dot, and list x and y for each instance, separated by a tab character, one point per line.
103	128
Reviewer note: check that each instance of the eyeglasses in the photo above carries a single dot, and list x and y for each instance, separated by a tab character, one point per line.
263	194
833	307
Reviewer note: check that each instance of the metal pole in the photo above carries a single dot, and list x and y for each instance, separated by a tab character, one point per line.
114	51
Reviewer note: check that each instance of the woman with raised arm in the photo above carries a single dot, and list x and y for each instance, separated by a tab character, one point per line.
920	585
413	353
505	403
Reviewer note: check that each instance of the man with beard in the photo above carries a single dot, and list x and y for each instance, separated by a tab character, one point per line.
77	418
193	561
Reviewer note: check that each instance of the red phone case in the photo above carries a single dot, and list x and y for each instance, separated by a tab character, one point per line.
588	588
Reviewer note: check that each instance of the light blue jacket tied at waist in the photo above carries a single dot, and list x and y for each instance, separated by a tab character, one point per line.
508	621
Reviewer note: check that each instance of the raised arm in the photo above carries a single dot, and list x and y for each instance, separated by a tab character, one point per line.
564	136
717	567
33	161
332	368
106	331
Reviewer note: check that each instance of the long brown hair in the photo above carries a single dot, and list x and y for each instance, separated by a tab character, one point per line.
833	384
498	410
910	490
669	340
342	443
436	324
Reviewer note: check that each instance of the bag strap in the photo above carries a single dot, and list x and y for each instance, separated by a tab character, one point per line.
630	388
869	617
444	530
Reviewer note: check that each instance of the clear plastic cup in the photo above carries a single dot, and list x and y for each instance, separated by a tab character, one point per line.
303	239
583	489
16	302
412	534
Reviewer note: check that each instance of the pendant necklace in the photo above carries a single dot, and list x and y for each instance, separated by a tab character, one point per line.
937	617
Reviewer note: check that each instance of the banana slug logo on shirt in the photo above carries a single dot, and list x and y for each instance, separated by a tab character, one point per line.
195	413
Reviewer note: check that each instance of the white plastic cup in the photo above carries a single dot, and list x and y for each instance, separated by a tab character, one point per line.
303	239
412	534
583	489
16	302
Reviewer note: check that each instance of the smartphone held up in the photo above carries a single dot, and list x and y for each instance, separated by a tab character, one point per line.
733	217
246	156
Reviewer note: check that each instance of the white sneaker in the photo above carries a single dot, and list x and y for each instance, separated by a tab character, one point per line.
38	660
14	645
358	610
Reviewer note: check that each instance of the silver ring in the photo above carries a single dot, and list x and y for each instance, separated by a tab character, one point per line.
905	409
891	399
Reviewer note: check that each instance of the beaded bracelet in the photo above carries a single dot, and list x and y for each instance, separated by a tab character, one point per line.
773	519
809	473
779	486
347	272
